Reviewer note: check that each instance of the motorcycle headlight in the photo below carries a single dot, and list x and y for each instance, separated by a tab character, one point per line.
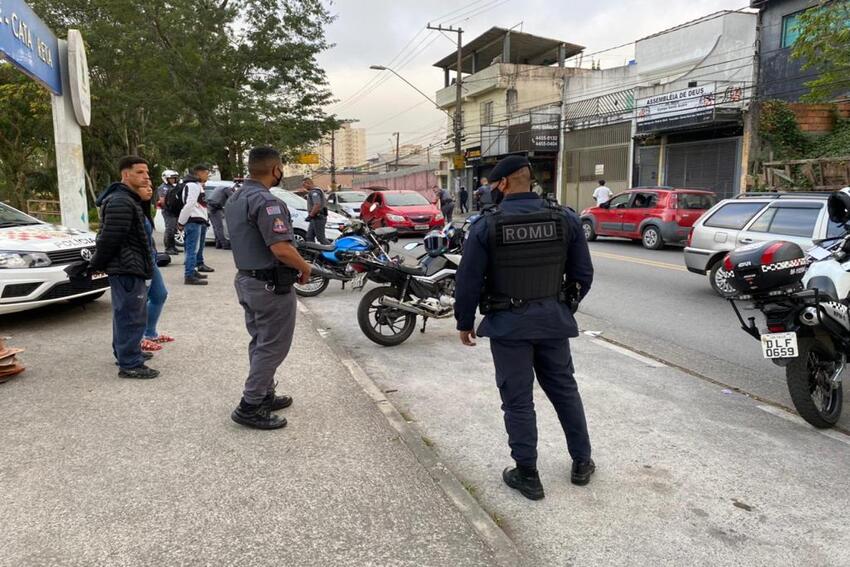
438	216
395	218
17	260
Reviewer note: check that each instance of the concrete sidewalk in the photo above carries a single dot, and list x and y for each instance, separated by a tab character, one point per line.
95	470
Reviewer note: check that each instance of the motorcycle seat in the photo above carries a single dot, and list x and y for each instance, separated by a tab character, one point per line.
386	233
412	270
316	246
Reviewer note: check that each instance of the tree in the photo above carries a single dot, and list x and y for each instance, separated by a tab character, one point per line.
26	135
824	46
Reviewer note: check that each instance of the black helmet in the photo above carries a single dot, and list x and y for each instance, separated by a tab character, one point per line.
838	206
436	242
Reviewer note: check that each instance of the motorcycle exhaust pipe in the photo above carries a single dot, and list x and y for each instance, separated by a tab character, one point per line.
396	304
317	270
809	316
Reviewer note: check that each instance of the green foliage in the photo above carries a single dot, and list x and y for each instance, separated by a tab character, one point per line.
778	127
824	46
187	81
835	144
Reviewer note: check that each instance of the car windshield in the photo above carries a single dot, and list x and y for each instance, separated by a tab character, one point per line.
405	199
292	200
14	217
351	197
696	201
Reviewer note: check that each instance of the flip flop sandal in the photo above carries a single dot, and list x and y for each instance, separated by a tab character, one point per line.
163	338
150	346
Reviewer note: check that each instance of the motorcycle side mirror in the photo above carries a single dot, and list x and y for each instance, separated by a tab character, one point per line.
411	245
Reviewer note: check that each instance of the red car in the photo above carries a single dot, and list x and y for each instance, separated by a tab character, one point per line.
654	215
408	211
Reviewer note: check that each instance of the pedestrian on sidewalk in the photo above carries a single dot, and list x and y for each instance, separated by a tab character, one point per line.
215	203
526	256
484	194
157	292
447	205
317	212
193	221
464	200
169	181
602	194
123	252
261	238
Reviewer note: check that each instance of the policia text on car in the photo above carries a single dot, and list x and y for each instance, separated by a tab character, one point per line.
526	264
261	238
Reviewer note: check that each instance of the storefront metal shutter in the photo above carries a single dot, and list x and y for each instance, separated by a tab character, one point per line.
711	165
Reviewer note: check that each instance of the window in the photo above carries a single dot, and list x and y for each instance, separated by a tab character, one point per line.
405	199
620	201
486	113
835	230
512	101
695	201
790	29
788	221
645	201
734	215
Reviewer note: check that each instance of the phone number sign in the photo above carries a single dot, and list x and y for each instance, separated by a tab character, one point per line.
27	42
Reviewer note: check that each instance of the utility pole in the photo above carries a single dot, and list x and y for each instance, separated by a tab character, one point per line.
396	149
458	126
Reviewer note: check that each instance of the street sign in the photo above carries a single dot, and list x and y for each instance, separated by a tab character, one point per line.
78	77
459	161
308	159
29	44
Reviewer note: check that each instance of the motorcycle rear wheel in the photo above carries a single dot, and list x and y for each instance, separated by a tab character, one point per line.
315	286
374	317
808	378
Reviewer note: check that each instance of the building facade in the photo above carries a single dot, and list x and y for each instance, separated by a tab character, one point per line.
350	148
781	76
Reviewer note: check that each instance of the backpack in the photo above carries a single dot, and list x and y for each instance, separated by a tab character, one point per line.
175	199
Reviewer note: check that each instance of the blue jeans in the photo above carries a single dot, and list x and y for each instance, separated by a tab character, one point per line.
128	319
157	295
194	235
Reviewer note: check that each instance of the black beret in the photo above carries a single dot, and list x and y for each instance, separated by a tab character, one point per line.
507	166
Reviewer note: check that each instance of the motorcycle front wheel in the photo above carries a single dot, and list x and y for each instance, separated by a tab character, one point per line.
809	378
312	288
382	324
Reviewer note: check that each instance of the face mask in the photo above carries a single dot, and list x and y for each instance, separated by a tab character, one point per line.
278	179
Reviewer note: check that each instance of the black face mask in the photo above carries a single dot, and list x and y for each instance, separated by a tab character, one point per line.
278	179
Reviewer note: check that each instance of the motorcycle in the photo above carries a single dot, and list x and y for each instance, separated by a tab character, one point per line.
335	261
805	299
387	314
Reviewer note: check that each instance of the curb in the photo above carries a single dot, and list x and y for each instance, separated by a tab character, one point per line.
505	551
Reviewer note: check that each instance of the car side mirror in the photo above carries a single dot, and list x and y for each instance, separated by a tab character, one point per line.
605	205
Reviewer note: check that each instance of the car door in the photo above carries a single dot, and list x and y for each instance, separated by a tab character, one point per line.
609	217
792	221
365	213
638	208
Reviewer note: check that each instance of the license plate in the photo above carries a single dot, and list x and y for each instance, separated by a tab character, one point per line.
421	227
358	281
779	345
98	275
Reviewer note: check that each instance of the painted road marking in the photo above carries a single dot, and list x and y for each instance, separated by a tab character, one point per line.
642	261
779	412
303	308
626	352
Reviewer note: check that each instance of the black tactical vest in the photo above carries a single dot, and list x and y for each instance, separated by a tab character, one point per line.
527	254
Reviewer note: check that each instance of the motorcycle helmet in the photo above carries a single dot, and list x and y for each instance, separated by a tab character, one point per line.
838	206
169	174
436	243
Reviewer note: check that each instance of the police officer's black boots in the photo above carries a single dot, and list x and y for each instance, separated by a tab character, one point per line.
525	480
275	402
581	472
258	416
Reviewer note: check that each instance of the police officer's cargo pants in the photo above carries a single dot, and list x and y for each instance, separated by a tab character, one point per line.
129	318
517	361
170	229
316	230
217	222
270	320
448	211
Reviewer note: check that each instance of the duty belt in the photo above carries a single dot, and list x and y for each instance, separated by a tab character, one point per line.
262	275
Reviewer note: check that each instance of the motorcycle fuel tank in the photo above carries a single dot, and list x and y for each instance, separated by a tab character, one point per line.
347	244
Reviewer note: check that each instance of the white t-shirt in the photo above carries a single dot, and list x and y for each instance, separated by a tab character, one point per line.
602	195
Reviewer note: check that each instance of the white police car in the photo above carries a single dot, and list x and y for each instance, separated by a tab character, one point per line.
33	258
297	206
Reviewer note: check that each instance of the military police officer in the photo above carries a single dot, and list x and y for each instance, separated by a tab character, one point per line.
261	238
526	264
317	212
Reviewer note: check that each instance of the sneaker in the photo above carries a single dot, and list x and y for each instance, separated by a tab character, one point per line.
172	251
200	276
275	402
526	482
581	472
139	373
256	416
147	355
194	281
205	269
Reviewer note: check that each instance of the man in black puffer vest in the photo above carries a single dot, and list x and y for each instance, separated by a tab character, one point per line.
123	252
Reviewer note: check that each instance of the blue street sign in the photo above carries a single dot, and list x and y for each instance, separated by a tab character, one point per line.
27	42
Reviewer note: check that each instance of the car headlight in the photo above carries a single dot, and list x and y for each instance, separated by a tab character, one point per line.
17	260
395	218
438	216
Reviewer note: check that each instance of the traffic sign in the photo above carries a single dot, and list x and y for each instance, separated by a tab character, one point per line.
28	43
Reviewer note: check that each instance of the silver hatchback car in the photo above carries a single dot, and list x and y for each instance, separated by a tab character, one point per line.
755	217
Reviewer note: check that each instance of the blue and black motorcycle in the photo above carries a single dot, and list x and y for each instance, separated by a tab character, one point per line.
338	260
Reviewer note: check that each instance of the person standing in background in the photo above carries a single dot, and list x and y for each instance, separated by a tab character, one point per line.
157	292
464	200
193	221
602	194
447	205
215	203
170	179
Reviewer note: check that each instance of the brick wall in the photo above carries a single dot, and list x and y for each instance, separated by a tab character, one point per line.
819	118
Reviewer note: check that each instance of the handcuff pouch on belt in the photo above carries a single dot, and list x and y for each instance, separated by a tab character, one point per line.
278	280
493	303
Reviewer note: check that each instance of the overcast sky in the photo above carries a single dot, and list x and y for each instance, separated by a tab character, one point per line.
369	32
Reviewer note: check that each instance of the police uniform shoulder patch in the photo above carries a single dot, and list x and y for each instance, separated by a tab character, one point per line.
525	233
273	210
279	226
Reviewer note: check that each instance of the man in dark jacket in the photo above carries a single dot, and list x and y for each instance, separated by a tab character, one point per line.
124	253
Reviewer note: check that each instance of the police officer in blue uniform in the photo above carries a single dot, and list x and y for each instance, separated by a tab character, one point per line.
261	239
526	264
